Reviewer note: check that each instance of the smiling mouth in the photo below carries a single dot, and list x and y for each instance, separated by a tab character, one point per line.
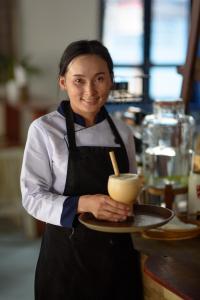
90	101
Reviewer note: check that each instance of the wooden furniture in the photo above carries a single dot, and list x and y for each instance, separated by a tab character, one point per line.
168	193
191	69
171	268
8	27
14	140
181	279
14	113
153	289
12	124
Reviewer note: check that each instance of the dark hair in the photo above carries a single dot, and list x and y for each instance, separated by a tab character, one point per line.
85	47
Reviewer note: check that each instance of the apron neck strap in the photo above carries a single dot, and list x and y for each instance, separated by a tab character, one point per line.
118	138
70	127
71	130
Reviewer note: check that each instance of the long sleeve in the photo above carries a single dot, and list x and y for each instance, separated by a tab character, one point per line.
69	211
38	196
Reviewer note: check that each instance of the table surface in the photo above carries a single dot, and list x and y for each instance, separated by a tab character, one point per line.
173	264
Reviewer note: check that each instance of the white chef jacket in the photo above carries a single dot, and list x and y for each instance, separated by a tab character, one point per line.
45	161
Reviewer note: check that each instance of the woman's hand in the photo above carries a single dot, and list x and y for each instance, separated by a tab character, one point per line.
104	208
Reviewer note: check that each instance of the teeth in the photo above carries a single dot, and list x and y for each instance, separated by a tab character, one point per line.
93	101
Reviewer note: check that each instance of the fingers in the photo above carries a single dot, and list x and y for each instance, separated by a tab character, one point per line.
104	208
112	210
111	217
117	206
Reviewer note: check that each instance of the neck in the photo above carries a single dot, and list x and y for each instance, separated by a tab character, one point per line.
88	117
89	120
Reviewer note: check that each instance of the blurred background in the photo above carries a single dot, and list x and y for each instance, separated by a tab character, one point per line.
149	43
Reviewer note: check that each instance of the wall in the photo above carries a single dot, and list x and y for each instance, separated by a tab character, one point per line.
45	29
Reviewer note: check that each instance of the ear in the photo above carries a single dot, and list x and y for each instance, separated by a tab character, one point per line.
62	83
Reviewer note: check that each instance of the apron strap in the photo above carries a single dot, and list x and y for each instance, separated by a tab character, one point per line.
70	127
71	130
118	138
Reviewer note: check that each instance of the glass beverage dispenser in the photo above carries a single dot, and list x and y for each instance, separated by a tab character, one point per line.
167	138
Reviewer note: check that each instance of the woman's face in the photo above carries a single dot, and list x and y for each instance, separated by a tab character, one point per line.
87	82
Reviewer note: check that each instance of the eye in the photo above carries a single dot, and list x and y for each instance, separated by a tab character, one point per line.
78	81
100	78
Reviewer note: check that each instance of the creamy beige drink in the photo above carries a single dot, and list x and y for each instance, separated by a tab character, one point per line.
124	188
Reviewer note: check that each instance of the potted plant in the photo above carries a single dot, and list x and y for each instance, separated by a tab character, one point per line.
14	76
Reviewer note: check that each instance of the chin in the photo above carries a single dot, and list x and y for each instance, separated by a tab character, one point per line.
91	107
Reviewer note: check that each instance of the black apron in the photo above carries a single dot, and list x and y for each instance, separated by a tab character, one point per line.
79	263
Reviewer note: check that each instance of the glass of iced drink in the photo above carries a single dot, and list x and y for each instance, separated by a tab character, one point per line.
124	188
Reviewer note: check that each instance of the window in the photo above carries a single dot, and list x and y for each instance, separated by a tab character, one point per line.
147	40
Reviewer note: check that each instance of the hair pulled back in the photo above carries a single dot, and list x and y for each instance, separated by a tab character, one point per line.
84	47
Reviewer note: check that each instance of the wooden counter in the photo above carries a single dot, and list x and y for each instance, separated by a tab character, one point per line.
175	265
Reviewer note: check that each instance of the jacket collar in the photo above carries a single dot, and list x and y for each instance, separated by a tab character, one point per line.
79	119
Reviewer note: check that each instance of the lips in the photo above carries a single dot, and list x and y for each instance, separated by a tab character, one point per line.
90	101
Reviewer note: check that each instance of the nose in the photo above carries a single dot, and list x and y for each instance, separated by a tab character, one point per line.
90	89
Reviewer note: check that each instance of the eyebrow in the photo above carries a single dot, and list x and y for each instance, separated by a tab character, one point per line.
81	75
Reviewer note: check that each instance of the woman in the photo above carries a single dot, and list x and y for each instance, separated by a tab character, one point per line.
65	172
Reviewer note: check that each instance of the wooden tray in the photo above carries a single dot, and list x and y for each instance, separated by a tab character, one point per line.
145	217
166	235
174	234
